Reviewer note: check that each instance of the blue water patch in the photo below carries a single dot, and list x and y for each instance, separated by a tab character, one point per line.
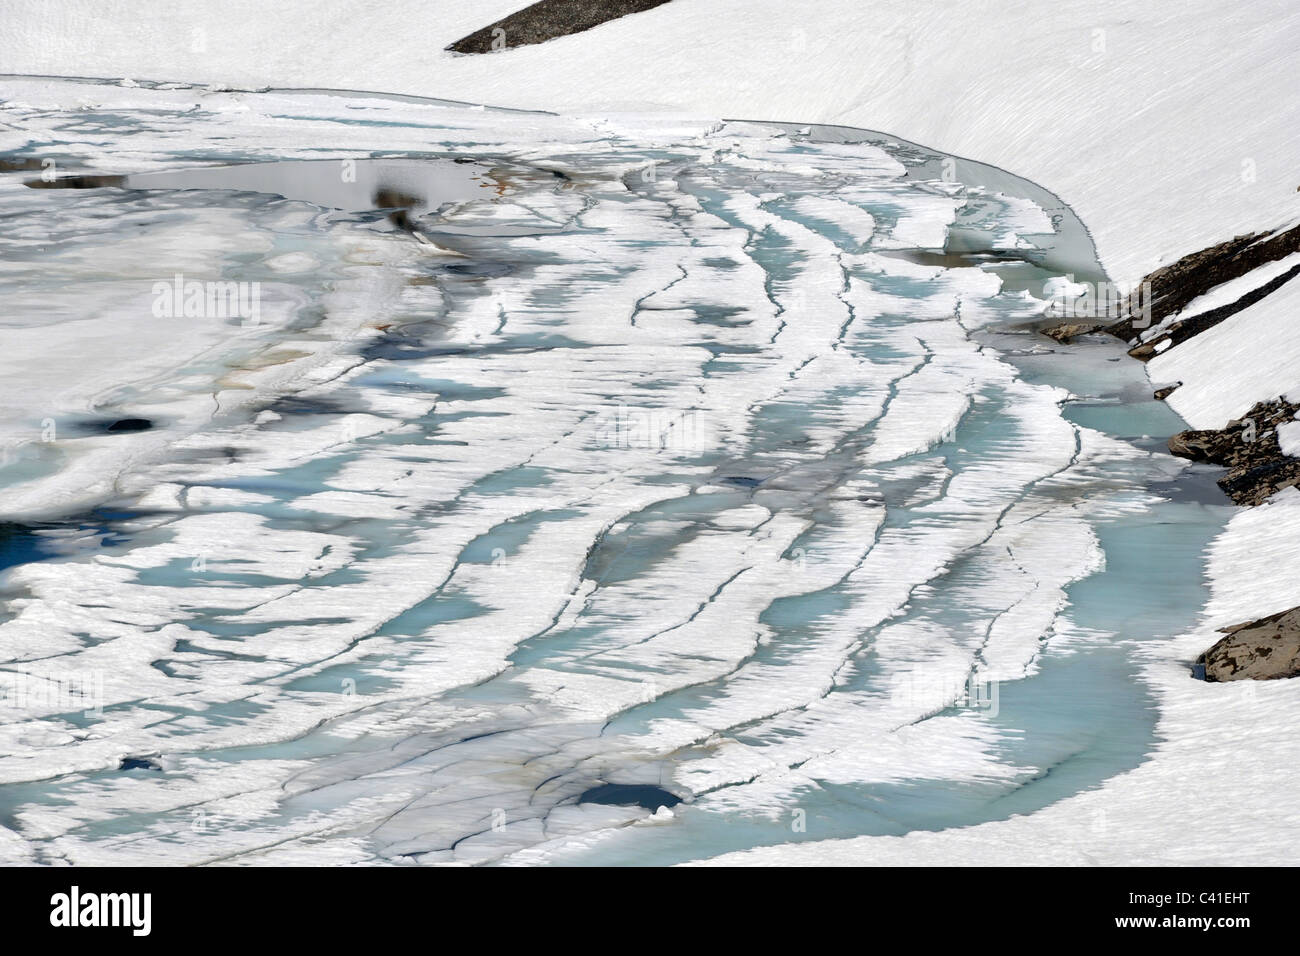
19	544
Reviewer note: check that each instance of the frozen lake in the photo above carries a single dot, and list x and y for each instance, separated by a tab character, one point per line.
641	461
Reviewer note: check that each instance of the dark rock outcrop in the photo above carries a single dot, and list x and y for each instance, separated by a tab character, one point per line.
1266	649
1185	329
1173	286
547	20
1248	447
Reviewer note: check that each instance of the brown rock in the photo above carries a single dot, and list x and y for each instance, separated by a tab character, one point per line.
1212	447
1267	649
1249	449
1145	351
1173	286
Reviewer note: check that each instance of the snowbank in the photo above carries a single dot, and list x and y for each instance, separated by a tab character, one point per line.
1226	369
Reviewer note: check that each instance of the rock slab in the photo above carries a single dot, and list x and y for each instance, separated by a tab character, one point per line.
1266	649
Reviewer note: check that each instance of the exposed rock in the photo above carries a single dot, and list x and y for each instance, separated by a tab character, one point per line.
1173	286
547	20
1162	393
1266	649
1248	447
1208	446
1067	332
1184	330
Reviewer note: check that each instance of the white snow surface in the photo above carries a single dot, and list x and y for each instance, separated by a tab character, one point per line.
1288	437
1250	357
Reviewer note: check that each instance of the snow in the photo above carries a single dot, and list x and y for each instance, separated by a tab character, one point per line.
1253	356
1288	437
